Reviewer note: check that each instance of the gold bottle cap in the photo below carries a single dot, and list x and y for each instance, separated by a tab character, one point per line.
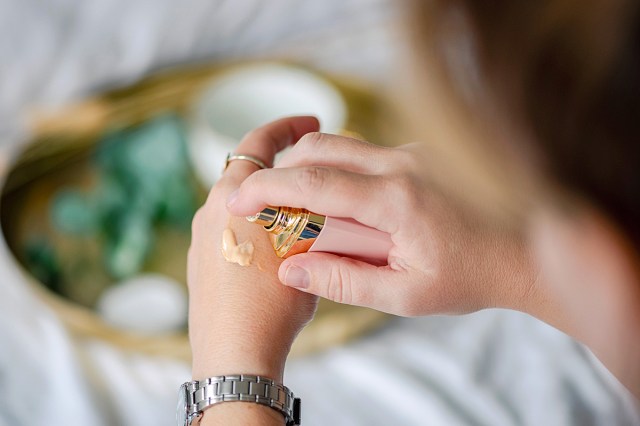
266	217
292	230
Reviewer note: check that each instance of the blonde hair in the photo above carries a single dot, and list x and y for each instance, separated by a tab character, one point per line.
551	88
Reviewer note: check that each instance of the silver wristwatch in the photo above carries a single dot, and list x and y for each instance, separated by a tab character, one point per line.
197	395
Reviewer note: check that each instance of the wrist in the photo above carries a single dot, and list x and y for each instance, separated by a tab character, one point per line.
514	275
237	362
257	350
253	339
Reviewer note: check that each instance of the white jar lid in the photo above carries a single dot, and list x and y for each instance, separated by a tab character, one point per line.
147	304
250	96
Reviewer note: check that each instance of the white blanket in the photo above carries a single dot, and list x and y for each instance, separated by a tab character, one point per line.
490	368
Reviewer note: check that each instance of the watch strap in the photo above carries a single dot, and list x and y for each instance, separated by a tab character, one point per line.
201	394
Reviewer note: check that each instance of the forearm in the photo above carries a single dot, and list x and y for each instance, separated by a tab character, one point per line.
606	320
602	314
608	326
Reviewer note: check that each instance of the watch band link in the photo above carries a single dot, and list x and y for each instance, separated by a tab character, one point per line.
213	390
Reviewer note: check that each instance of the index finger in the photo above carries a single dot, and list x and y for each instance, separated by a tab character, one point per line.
266	141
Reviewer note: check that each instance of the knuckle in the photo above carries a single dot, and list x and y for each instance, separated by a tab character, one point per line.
311	179
257	133
334	286
310	141
252	181
406	192
197	221
408	157
263	133
339	285
217	193
253	134
404	155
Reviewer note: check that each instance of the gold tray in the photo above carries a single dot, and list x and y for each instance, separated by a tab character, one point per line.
62	143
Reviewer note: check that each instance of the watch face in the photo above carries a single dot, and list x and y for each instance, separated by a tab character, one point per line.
181	410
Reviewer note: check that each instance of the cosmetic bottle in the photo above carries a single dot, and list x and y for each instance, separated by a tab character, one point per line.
295	230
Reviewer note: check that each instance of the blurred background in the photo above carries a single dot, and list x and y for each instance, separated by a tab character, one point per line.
115	118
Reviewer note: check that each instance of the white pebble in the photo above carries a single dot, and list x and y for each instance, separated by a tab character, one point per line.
149	304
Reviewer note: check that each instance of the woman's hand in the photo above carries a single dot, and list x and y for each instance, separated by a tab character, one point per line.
443	261
241	319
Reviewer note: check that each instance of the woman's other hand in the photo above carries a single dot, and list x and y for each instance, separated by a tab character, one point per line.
241	319
443	260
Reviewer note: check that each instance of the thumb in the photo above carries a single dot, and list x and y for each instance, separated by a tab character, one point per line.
347	281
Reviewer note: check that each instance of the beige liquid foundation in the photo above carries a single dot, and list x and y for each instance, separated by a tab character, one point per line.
294	230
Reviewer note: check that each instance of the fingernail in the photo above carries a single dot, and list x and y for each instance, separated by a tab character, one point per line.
231	199
296	277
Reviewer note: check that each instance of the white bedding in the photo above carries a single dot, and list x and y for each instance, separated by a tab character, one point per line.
490	368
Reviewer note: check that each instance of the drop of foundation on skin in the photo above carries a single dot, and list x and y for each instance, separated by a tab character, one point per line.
242	253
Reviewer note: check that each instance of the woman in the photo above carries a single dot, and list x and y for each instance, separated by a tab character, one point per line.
557	86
